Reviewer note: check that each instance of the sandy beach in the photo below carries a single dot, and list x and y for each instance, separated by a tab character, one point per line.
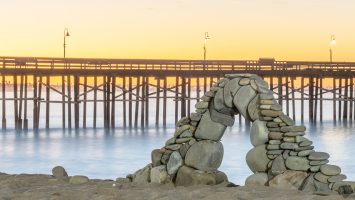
40	186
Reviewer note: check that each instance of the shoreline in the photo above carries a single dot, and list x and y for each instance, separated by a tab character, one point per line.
46	186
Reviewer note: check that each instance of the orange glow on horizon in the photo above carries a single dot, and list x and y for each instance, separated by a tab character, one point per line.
174	29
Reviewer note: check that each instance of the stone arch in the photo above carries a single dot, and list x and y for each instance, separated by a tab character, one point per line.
281	156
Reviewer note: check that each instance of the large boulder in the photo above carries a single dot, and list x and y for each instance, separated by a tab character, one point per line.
242	99
142	176
175	161
205	155
288	180
257	179
297	163
257	159
158	174
78	179
188	176
259	133
208	129
59	173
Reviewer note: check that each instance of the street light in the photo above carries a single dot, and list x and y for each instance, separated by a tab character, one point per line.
66	34
207	37
331	44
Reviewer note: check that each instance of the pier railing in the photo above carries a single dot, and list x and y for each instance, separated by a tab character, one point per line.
130	87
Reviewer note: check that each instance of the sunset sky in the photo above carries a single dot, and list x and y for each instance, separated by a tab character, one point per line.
174	29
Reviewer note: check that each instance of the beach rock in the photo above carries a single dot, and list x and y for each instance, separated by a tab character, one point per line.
158	174
287	120
202	105
322	188
297	163
293	129
224	119
183	140
257	159
78	179
170	141
187	176
289	139
275	135
244	81
186	134
183	149
142	176
208	129
288	180
173	147
156	157
257	179
288	145
314	168
273	147
318	156
59	173
305	143
274	141
258	133
218	100
342	183
242	99
211	93
337	178
294	134
272	124
318	162
205	155
330	170
181	130
165	158
253	110
276	107
267	96
274	152
271	113
183	121
232	88
305	153
175	161
195	116
321	177
308	184
278	165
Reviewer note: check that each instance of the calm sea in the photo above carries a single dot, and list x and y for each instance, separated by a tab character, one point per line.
116	153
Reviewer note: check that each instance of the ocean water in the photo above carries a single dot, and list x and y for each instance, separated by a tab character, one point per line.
99	153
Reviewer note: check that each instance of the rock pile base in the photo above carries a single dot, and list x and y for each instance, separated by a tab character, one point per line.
281	156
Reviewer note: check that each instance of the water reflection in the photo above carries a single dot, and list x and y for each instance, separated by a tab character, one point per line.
110	154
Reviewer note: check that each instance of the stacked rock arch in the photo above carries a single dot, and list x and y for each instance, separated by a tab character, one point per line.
281	155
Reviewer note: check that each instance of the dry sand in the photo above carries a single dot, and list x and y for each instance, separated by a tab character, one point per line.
30	186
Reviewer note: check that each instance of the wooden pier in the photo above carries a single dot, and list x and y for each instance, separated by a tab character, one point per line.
128	89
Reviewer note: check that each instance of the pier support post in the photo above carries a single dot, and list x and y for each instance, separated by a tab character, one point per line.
47	101
3	124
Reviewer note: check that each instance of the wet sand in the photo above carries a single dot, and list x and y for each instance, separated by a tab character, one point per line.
40	186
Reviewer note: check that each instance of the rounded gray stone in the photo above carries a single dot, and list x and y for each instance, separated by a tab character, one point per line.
78	179
288	145
156	157
253	111
257	179
257	159
259	133
208	129
229	91
337	178
305	153
321	177
244	81
218	100
158	174
205	155
59	172
318	156
330	170
278	165
175	161
242	99
297	163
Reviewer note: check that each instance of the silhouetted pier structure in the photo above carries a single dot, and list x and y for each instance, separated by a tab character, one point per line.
145	84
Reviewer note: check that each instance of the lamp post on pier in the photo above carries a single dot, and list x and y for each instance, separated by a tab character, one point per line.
331	44
207	37
66	34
